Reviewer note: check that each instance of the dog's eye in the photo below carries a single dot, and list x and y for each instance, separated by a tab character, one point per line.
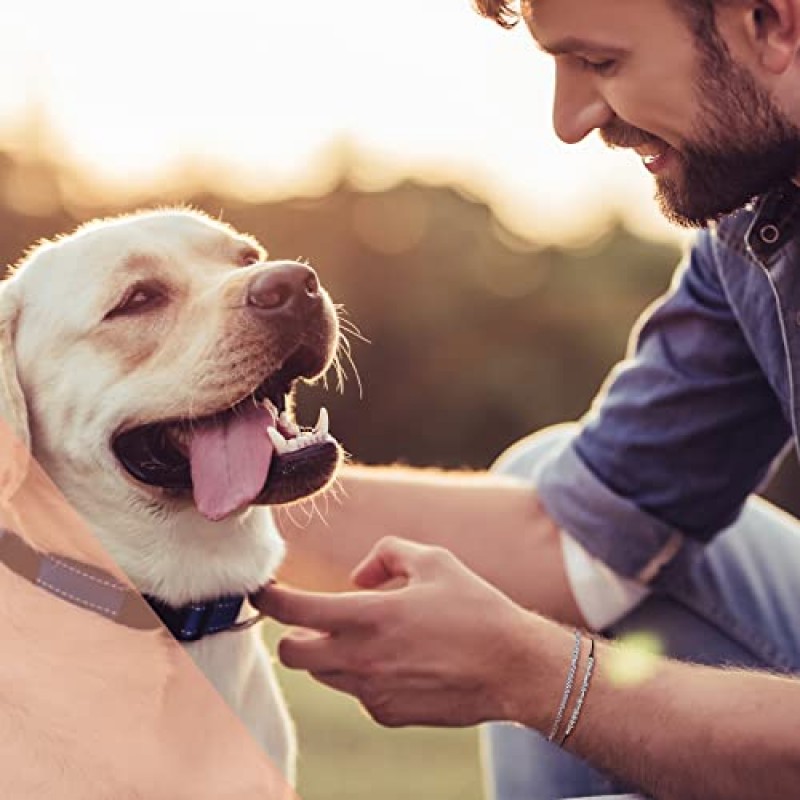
138	299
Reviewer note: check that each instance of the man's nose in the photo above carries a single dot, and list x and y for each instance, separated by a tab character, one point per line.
284	289
578	108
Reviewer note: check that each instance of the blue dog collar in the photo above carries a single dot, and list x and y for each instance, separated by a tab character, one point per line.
193	621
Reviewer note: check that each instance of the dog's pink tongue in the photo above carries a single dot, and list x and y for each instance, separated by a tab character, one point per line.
230	458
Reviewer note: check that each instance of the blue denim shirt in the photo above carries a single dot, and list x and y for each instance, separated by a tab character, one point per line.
690	423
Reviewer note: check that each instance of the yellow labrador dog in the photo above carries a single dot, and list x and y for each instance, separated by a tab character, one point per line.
149	362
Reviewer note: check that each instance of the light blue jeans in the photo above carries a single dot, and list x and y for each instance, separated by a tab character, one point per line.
737	605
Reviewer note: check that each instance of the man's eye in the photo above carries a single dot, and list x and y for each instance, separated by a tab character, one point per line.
599	67
138	299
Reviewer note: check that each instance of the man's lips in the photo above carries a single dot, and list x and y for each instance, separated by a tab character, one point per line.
655	153
656	159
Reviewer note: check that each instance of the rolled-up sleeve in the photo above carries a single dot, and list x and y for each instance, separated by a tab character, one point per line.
685	428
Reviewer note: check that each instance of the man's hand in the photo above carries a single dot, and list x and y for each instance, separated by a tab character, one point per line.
428	642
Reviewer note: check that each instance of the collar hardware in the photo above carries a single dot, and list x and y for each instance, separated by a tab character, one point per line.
775	222
769	234
193	621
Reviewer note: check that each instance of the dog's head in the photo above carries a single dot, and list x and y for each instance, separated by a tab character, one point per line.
158	352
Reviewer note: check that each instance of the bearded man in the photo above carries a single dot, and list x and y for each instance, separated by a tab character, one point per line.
483	602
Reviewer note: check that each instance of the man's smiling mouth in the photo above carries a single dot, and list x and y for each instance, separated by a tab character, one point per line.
656	158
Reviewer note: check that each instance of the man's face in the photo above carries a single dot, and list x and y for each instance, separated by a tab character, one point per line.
710	134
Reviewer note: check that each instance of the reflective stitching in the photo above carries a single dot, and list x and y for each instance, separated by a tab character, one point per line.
78	600
71	568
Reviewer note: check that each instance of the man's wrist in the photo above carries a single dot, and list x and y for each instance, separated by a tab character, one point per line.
537	664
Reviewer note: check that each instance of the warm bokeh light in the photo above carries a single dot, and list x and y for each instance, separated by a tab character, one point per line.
634	659
273	97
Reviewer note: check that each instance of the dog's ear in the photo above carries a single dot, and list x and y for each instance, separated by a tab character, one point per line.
13	410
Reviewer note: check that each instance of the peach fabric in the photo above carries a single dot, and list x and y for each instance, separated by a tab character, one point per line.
93	710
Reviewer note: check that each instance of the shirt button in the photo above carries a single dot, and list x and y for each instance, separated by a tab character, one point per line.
769	234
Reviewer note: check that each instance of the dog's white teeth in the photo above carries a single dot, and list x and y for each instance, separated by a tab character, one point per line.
279	443
289	424
301	440
321	428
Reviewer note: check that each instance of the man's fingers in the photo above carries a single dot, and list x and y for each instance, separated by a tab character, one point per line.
312	652
374	571
340	681
390	560
393	560
322	612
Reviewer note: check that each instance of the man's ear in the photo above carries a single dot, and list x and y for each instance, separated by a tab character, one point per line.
12	401
775	29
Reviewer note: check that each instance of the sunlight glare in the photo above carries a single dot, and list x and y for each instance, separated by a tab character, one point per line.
273	96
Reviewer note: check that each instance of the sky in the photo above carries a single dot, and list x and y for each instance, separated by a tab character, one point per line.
268	92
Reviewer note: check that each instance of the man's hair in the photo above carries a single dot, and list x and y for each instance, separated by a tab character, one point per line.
698	13
503	12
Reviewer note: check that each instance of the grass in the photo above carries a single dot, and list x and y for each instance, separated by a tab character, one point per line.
344	755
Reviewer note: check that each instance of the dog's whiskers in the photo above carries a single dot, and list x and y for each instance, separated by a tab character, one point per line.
352	328
347	351
344	350
336	492
313	511
287	511
340	374
310	508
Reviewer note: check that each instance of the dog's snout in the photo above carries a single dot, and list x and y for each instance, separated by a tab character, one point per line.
287	288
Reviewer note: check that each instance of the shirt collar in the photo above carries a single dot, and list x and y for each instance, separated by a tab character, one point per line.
775	222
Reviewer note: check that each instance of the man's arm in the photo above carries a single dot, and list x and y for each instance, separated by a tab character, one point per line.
686	427
445	648
681	732
494	524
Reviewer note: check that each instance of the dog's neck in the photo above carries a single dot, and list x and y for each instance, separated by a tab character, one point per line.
174	553
188	558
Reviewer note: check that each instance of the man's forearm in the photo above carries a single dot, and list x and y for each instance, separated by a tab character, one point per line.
445	648
680	732
493	524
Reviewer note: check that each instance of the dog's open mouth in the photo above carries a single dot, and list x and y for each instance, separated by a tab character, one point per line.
251	453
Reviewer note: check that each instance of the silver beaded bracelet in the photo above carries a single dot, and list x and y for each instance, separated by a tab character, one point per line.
573	668
587	677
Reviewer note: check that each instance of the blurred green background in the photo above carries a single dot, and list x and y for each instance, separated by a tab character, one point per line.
343	754
477	337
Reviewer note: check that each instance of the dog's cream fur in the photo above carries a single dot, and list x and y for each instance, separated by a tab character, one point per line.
70	379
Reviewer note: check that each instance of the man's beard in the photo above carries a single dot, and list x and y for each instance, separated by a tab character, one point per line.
742	147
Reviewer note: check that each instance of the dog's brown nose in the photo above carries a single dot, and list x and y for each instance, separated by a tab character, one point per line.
285	288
